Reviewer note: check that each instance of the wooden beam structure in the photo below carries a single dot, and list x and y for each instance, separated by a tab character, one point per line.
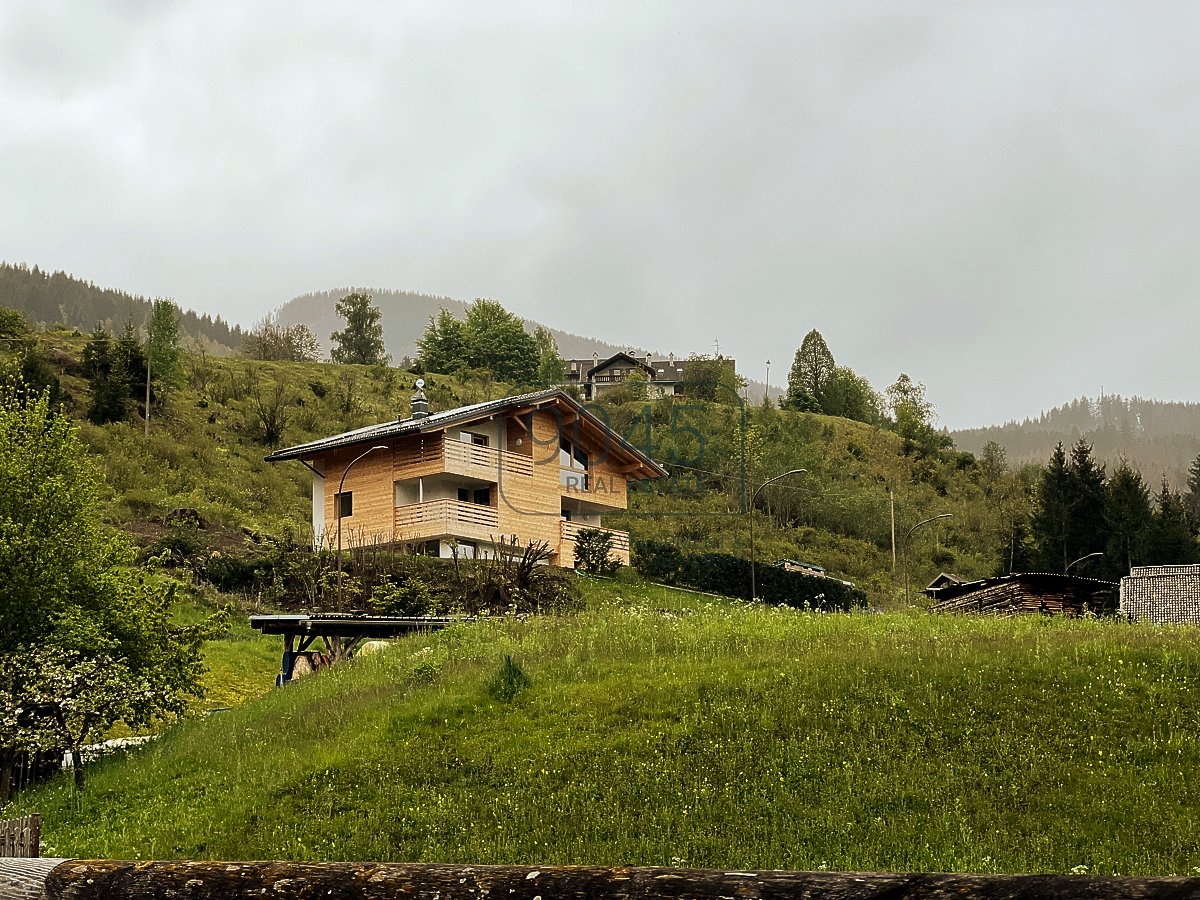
111	880
340	632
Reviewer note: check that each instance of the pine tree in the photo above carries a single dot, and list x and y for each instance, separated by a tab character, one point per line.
1172	533
1087	532
361	341
1051	525
1128	515
1193	495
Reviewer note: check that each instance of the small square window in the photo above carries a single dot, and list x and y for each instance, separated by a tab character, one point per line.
344	503
483	496
479	440
464	495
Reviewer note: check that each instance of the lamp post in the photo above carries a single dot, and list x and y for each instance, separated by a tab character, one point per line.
906	542
767	383
1067	568
337	506
750	514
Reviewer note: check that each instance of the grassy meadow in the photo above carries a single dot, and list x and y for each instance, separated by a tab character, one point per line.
661	727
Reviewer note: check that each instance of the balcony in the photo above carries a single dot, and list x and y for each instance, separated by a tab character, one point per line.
570	531
444	518
435	455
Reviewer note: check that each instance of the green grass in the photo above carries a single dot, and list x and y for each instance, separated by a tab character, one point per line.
667	728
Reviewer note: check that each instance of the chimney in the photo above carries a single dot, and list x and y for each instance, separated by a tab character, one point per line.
595	360
420	406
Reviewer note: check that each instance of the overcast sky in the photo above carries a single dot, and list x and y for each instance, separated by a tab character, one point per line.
1001	199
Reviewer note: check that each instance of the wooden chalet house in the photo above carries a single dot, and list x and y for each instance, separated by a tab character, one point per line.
537	467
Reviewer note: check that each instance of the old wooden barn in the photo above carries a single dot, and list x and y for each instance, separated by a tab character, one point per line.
1022	594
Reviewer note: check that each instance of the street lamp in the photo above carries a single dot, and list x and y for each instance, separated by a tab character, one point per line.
767	384
338	511
1067	568
909	535
750	513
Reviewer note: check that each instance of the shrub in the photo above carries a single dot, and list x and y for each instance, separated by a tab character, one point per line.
593	552
724	573
509	681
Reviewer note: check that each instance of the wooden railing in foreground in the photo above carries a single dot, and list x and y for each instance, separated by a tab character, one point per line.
87	879
22	837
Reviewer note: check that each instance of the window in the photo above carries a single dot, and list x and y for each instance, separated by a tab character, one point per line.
571	456
343	503
573	466
481	496
478	440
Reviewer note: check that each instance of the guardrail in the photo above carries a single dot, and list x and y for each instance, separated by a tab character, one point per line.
77	879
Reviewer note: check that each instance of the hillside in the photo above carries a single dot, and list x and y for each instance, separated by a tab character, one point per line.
1157	437
50	298
406	313
666	729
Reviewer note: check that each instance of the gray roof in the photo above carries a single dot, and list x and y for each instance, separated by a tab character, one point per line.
438	421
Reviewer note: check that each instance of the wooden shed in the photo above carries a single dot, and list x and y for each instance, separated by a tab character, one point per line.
1025	593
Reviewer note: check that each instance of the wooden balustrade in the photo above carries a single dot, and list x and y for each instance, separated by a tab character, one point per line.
433	454
436	518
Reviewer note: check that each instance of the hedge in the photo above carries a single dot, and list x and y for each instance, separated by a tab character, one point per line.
724	573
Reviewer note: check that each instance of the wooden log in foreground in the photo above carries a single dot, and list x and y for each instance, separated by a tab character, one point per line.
86	879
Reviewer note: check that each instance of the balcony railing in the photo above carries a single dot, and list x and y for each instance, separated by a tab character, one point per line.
435	455
620	539
439	518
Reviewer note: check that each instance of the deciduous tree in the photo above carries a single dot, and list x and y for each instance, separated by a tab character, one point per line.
81	634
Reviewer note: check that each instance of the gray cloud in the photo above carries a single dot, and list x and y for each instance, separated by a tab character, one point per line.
1000	199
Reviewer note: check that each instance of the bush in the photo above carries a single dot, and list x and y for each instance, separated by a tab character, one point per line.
724	573
509	681
593	552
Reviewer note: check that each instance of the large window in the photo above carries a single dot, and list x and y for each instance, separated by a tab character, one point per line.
573	464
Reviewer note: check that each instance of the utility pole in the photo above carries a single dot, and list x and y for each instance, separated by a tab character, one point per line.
149	353
892	503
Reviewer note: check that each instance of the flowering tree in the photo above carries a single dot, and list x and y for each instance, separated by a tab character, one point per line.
85	639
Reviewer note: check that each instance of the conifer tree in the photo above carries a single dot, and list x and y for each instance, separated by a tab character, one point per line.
361	341
1172	537
1127	515
812	368
1051	523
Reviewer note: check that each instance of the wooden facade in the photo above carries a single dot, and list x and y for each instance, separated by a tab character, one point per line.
1023	594
537	467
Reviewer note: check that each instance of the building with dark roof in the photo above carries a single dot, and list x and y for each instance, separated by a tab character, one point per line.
534	467
665	377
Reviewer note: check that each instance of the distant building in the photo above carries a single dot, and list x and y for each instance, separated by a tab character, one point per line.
1162	595
664	377
1023	593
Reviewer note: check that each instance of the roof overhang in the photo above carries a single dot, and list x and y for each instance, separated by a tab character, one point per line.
572	414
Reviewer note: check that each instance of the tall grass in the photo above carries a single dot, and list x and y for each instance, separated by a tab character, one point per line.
663	728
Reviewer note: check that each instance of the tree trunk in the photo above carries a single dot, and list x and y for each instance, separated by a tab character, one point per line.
77	766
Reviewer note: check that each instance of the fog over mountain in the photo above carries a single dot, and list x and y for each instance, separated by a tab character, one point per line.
1001	199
